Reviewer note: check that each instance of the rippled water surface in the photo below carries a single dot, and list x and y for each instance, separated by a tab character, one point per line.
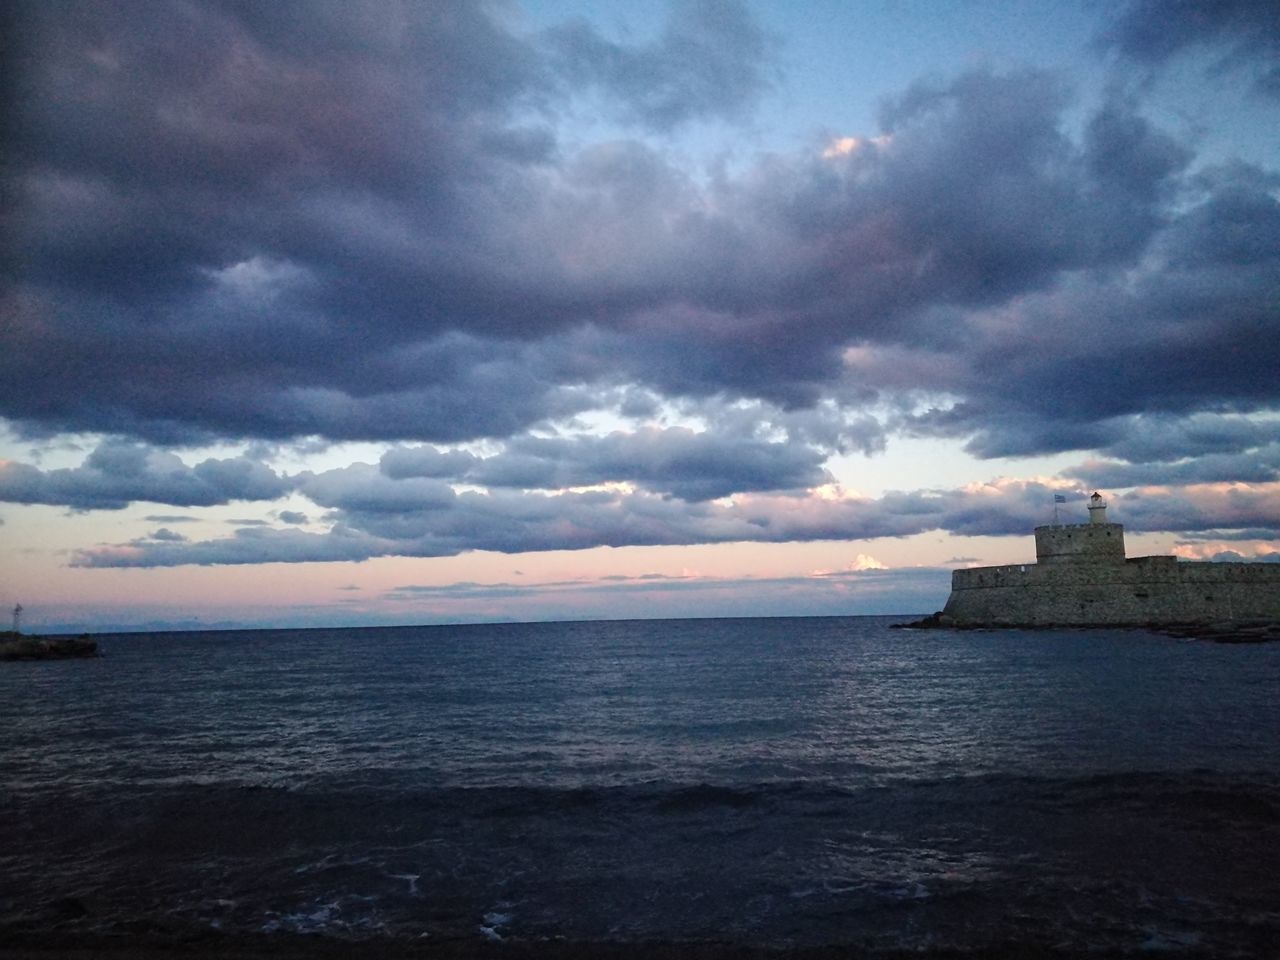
766	781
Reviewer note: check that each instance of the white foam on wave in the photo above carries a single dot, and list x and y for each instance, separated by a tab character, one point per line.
329	861
321	916
493	921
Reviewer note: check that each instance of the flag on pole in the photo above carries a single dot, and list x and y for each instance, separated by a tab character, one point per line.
1059	498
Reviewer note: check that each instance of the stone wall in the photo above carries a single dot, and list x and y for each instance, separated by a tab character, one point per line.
1080	543
1140	591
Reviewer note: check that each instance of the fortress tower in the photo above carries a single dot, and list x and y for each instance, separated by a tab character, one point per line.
1082	579
1095	542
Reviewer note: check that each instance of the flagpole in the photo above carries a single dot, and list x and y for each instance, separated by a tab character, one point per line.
1057	499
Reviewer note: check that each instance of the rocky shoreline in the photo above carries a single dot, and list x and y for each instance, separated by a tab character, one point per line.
298	947
17	646
1236	631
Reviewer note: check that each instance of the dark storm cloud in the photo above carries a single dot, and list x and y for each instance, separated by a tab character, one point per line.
709	61
399	463
511	522
1047	205
1166	438
678	462
203	205
1199	508
359	222
690	465
975	197
120	472
1240	32
1166	450
165	535
249	545
1257	466
1194	330
409	518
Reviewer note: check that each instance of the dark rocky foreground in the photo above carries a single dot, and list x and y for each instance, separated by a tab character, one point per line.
15	646
1233	631
321	948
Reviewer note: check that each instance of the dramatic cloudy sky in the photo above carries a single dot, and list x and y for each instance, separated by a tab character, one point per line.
380	312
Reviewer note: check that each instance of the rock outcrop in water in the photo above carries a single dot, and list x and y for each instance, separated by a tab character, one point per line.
16	646
1082	578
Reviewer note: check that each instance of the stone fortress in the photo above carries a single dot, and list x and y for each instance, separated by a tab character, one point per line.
1081	578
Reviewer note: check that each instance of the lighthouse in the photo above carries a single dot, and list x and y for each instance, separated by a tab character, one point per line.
1097	509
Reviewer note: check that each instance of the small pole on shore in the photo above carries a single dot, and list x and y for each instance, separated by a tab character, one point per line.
17	616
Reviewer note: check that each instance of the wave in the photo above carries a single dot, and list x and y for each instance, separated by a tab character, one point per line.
778	862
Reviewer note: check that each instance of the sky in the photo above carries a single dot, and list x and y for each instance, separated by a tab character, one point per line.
346	313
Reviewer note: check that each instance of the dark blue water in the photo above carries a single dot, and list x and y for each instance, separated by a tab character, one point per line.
788	781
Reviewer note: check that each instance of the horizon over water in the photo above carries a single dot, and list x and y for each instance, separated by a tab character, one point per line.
180	627
764	781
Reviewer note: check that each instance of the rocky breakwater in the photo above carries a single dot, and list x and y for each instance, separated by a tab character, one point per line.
1228	631
17	646
1231	631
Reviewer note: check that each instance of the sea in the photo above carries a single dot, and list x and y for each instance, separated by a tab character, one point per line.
786	782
